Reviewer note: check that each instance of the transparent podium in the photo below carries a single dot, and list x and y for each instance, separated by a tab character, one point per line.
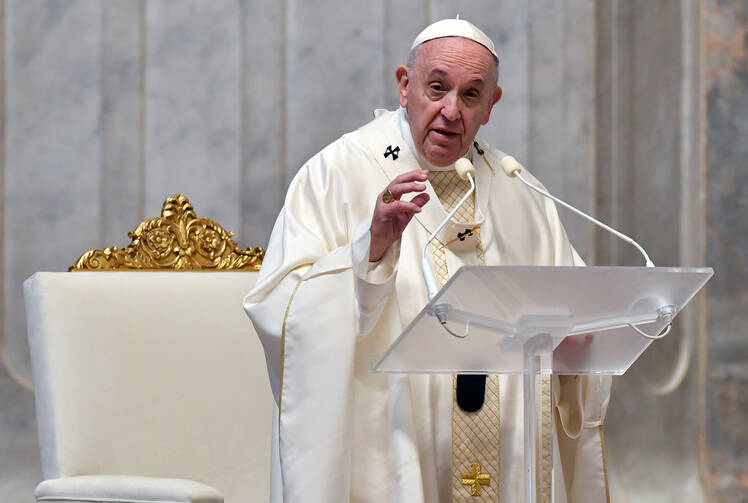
516	320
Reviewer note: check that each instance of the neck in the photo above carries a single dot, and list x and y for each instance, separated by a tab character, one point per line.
404	125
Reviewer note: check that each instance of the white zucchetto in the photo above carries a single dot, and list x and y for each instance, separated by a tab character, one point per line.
454	28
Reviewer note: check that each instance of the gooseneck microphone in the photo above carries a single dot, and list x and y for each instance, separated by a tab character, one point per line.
470	389
465	171
512	168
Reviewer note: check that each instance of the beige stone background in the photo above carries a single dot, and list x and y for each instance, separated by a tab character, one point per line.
635	110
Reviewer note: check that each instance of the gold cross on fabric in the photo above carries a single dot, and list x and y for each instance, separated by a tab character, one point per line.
475	479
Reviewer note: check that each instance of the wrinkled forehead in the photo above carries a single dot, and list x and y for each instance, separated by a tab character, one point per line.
456	51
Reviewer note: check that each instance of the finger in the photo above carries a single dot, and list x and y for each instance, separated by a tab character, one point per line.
399	189
390	210
420	175
420	200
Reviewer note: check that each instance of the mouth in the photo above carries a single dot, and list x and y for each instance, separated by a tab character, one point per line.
444	133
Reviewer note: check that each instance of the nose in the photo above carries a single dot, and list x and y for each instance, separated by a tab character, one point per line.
450	107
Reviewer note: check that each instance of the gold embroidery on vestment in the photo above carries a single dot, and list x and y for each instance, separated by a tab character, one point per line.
283	337
450	188
475	479
475	435
605	464
462	235
546	440
487	163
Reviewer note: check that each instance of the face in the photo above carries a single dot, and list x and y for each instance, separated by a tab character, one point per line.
449	93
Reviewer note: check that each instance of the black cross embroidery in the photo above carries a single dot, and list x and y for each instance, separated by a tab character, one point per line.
477	148
393	151
463	235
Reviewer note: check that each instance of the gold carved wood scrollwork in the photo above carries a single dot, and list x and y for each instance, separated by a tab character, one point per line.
178	240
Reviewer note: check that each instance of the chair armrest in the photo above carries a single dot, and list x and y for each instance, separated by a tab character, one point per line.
125	489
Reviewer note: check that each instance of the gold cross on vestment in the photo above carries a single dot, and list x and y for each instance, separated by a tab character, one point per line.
475	479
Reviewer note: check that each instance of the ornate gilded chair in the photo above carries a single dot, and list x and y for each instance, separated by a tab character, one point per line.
151	386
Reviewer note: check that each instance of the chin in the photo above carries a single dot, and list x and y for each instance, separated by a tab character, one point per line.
443	155
442	159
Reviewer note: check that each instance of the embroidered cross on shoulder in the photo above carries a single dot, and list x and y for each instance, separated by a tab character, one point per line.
392	151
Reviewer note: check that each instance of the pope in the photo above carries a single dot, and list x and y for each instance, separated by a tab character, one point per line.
342	278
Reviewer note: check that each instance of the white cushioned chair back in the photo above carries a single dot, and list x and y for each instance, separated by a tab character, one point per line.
150	373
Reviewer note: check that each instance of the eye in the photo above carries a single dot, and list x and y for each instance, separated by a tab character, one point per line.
472	93
436	87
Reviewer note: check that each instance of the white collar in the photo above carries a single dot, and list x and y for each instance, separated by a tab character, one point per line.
404	126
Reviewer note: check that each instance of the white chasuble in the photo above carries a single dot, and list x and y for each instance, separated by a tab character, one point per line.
325	314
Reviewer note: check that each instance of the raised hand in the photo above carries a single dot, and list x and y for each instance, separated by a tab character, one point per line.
391	218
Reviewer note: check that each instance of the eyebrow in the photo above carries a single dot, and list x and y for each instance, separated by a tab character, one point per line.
438	72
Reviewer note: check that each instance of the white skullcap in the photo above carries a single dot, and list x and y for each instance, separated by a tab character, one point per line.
455	28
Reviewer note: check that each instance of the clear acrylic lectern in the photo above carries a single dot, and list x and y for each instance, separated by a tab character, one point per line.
512	320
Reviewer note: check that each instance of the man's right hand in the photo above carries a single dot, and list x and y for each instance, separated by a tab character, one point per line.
390	219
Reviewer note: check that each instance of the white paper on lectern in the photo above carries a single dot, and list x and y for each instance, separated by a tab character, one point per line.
506	304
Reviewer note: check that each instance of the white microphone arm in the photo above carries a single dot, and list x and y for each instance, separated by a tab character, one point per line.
512	168
466	171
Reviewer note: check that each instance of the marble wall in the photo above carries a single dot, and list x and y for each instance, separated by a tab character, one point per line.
648	178
726	108
109	107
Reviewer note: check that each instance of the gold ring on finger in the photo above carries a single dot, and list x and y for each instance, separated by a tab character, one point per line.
387	196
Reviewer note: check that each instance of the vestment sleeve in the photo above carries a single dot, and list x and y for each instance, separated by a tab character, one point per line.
322	228
310	238
315	294
303	308
375	281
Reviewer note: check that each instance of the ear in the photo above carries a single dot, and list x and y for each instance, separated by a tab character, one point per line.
494	99
401	75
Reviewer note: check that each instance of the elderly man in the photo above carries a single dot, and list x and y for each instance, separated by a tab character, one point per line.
342	278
